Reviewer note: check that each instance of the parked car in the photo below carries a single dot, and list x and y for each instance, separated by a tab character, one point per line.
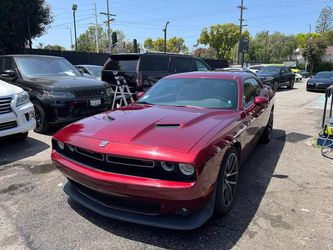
171	159
298	77
94	71
277	76
320	81
141	71
238	69
305	74
59	92
255	68
17	116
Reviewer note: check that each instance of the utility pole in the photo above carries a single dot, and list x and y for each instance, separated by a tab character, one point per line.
240	53
109	19
165	35
96	27
310	28
74	8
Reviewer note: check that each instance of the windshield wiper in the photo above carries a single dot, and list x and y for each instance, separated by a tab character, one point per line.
144	103
188	106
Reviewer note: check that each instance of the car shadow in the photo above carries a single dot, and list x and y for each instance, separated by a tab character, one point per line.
218	232
11	150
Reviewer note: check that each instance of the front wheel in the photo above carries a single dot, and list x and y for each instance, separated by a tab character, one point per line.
291	84
266	136
275	86
227	182
42	124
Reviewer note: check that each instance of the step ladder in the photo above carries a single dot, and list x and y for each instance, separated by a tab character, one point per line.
122	93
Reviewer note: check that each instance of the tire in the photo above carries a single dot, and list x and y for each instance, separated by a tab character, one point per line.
275	86
291	84
227	182
42	124
20	137
266	136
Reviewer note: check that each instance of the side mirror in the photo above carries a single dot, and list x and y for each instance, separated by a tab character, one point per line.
261	101
139	95
9	73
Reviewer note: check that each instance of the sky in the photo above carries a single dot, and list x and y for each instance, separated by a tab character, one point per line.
142	19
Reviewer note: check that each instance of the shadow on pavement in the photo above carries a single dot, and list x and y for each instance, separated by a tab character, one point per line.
11	150
218	232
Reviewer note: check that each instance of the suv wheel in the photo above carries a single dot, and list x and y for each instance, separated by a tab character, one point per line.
41	119
227	182
291	84
275	86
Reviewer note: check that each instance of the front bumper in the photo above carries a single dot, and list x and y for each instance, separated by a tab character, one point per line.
64	111
23	116
162	199
317	87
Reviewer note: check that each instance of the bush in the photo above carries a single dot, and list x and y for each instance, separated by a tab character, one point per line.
322	66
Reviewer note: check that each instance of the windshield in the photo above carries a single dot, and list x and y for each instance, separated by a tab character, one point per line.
324	75
95	70
202	93
269	70
45	66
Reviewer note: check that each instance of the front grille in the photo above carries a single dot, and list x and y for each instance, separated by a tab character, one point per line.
120	164
118	203
90	93
5	105
8	125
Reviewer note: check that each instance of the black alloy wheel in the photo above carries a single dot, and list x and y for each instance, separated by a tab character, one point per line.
227	182
41	119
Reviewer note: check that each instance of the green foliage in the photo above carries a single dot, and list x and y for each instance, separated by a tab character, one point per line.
174	45
314	49
86	42
322	66
14	15
325	20
328	37
302	38
205	53
54	47
222	38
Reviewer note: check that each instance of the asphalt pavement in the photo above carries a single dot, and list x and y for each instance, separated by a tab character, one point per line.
284	198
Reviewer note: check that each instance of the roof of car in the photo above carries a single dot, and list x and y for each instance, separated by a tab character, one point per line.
149	54
212	75
29	55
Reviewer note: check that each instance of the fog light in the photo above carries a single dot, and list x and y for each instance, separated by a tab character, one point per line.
186	169
71	148
182	211
61	145
168	166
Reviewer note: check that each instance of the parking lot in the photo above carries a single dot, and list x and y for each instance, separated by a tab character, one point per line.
284	199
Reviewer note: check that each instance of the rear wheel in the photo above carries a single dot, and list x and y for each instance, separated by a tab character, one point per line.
227	182
42	124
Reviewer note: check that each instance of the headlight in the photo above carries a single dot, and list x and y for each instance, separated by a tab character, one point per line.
186	169
168	166
61	145
59	94
269	78
22	98
109	91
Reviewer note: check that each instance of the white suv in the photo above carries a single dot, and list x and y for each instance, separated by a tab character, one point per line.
17	115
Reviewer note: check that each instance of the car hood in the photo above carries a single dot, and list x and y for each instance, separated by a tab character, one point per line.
321	80
66	82
7	89
171	128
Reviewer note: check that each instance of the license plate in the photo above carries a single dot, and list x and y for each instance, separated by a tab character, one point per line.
95	103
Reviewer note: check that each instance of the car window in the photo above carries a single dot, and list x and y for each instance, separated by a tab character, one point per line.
284	70
251	90
201	66
154	63
8	64
182	64
85	70
123	64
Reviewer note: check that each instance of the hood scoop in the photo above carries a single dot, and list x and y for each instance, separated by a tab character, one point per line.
168	125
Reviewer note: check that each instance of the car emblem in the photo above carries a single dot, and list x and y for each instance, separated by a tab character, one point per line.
102	144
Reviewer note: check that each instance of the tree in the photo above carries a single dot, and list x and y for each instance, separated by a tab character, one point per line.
174	45
222	38
325	20
54	47
315	48
302	38
15	18
87	41
205	53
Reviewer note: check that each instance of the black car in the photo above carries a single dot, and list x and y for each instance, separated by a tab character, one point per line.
141	71
305	74
59	92
320	82
277	76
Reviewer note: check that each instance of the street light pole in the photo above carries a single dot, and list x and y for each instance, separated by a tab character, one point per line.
74	8
165	35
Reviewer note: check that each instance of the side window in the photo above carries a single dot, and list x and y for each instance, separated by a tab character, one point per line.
285	70
8	64
201	66
182	64
251	90
84	70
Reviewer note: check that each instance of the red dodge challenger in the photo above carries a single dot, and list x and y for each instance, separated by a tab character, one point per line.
172	158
